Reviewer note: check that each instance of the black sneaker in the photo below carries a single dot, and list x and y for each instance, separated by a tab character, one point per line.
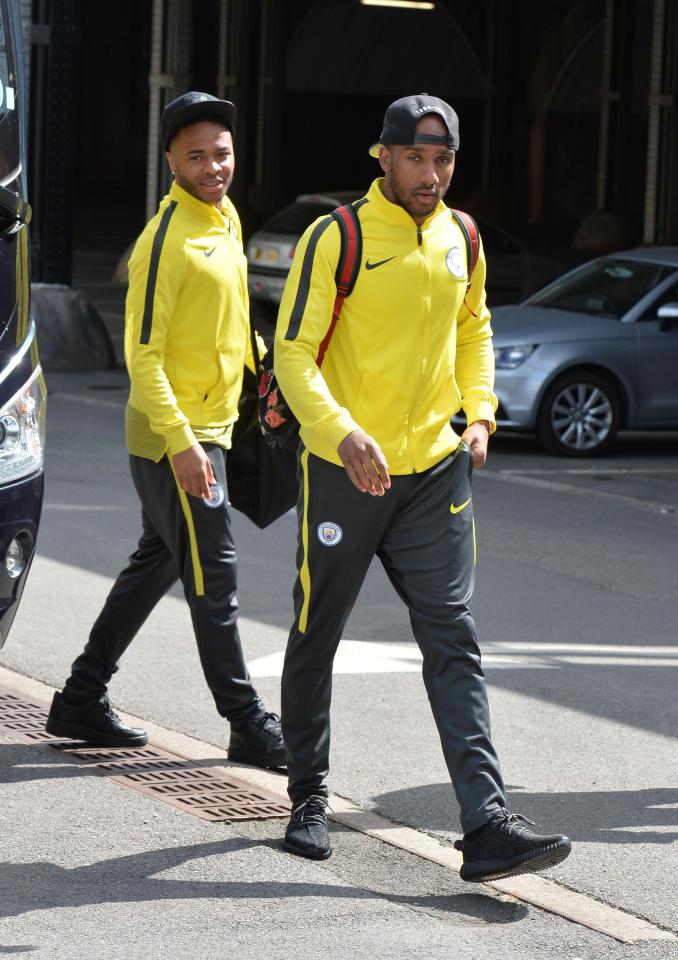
95	722
306	833
258	741
505	847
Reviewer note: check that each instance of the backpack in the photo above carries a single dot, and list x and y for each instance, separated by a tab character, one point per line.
278	424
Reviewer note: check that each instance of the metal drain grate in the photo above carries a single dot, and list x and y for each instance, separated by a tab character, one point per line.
176	780
22	719
119	760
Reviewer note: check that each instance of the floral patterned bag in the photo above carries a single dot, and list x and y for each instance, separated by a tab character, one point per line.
261	479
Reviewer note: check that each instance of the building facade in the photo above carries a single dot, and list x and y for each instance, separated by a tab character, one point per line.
567	109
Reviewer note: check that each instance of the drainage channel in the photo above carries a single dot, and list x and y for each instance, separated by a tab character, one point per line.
184	784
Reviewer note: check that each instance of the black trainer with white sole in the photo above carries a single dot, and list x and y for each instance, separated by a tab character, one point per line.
504	847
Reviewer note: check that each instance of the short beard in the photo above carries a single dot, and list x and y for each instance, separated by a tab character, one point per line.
404	201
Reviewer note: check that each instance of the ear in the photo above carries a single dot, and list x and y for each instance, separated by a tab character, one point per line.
385	159
170	161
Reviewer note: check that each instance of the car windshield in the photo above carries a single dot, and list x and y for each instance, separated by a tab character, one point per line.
605	288
10	163
295	218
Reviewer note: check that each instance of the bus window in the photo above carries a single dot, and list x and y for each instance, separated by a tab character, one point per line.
10	142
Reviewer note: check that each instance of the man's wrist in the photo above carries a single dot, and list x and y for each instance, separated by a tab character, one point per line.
483	423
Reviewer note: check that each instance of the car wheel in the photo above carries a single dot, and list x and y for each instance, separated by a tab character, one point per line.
579	415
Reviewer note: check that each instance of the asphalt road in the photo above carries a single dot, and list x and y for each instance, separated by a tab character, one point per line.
576	608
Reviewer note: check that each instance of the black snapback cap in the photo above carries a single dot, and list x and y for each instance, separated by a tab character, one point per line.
401	118
192	107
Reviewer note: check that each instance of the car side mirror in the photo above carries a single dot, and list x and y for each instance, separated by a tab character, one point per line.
667	316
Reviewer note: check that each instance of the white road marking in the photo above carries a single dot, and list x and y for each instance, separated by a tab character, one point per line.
362	657
353	656
592	493
642	828
84	506
537	890
594	471
87	401
613	648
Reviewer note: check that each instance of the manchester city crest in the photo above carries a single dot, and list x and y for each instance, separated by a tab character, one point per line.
329	533
456	263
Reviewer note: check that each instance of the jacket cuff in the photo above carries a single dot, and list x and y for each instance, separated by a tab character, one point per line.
481	410
180	440
339	428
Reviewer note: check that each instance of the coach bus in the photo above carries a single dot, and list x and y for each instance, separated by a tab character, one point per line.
22	385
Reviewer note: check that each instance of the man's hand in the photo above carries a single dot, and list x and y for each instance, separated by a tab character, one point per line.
365	463
476	435
193	471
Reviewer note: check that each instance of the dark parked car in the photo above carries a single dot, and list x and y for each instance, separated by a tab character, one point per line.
22	385
592	353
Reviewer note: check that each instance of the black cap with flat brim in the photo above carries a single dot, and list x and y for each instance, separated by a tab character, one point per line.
192	107
402	117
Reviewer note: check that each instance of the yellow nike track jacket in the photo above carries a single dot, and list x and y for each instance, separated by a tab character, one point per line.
410	349
186	324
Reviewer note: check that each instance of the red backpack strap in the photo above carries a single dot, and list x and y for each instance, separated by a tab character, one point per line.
469	228
348	265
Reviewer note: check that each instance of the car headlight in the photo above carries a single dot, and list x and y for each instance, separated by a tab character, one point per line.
22	430
508	358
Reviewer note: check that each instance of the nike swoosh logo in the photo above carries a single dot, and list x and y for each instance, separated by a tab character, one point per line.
208	253
373	266
461	506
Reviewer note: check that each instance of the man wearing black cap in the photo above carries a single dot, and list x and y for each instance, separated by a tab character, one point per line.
384	473
186	343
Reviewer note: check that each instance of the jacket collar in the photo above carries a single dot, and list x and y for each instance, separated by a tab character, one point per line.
395	213
203	210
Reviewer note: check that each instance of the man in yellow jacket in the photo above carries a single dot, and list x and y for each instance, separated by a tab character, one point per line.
186	343
384	473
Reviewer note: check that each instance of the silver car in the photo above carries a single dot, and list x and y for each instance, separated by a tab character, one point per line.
593	352
271	250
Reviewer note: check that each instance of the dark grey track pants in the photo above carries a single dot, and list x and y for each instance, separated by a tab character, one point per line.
422	531
182	538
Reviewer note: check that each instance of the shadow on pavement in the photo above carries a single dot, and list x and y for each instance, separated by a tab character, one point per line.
644	696
23	763
616	816
34	884
25	887
131	879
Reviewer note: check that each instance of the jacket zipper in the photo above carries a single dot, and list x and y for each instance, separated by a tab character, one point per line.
426	314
